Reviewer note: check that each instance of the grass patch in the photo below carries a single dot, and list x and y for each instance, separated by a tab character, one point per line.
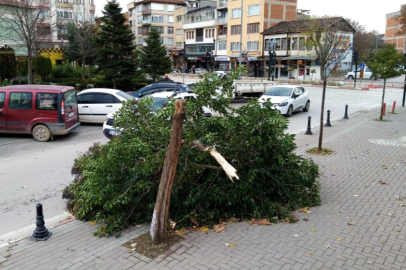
323	151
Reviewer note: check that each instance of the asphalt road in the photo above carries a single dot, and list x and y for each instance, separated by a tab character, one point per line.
32	172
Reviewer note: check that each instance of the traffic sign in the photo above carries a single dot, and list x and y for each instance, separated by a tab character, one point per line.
362	66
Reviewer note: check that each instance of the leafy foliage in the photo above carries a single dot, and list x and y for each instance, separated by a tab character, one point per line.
154	59
8	64
115	47
117	183
387	63
42	66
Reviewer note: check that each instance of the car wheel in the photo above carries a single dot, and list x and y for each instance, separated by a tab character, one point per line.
372	77
350	77
307	107
290	111
41	133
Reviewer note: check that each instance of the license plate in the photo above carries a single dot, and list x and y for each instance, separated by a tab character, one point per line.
114	133
71	114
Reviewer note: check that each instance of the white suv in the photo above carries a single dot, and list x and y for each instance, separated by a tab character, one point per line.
367	74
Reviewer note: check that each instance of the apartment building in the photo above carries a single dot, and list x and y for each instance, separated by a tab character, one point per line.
144	14
391	33
246	20
295	59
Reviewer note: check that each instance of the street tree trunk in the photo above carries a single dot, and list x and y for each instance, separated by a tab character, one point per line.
83	67
323	98
158	228
29	63
383	99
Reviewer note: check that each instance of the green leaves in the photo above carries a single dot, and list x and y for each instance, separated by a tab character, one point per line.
117	183
387	63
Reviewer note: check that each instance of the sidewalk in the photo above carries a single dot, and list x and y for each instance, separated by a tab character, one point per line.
360	224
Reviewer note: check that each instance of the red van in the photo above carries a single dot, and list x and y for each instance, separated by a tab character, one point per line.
40	110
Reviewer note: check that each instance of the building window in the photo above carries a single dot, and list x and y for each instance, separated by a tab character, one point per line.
178	44
162	40
156	6
140	41
284	44
235	29
252	45
170	41
139	30
179	18
179	31
139	19
236	13
157	18
294	44
253	28
302	45
44	14
266	47
254	10
200	16
139	8
235	46
170	30
171	7
160	29
170	19
222	45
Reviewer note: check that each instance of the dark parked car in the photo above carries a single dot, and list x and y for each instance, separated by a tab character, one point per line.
161	87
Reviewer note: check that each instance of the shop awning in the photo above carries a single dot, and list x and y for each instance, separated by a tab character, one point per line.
300	58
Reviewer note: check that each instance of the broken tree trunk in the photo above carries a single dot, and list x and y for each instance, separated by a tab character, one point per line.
228	169
160	218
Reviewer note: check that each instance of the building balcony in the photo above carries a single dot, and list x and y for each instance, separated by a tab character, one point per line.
222	4
221	20
199	39
146	11
146	22
219	37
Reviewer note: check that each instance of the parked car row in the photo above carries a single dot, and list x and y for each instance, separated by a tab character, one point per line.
45	111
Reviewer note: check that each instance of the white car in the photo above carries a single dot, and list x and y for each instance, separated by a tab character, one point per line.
95	104
287	99
159	101
367	74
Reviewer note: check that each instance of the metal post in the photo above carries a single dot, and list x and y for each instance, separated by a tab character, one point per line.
269	64
404	93
242	7
356	66
346	113
273	63
309	130
328	124
41	233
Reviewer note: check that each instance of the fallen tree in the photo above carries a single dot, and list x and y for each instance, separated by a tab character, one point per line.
117	183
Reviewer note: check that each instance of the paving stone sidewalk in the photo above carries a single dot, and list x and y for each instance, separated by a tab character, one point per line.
359	225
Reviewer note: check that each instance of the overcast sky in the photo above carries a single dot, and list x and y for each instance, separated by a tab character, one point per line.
367	12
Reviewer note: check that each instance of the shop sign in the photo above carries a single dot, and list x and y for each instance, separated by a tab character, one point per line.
222	59
279	66
252	58
64	5
192	58
175	53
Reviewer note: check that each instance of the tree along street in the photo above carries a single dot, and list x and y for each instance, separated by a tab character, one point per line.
32	172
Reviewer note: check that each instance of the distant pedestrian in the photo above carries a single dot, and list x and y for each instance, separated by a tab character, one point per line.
166	77
193	70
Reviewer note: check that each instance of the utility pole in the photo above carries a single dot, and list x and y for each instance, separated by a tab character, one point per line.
242	7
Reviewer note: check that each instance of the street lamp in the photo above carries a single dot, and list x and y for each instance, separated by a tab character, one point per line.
272	59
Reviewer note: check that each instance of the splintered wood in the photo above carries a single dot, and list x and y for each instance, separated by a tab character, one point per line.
228	169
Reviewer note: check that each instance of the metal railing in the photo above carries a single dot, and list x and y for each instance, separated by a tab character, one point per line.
146	11
223	3
222	20
199	39
222	37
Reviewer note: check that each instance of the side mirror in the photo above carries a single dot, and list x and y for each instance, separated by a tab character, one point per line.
140	95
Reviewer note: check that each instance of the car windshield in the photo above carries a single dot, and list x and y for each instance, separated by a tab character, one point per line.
158	103
125	95
279	92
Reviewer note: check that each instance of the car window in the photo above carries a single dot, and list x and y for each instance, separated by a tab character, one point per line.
125	95
302	90
2	99
149	91
297	91
70	98
105	99
46	101
85	98
20	101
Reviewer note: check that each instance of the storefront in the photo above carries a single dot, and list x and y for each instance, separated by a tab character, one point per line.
222	63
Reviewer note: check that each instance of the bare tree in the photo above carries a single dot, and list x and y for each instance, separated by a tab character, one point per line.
27	25
81	34
331	39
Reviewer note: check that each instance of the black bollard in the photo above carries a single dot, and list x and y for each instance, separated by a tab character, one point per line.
328	124
346	113
41	233
309	130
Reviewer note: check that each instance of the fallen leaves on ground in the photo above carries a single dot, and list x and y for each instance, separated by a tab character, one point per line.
204	229
310	253
194	221
230	245
181	231
338	239
350	223
263	221
313	229
382	182
92	222
219	228
305	210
